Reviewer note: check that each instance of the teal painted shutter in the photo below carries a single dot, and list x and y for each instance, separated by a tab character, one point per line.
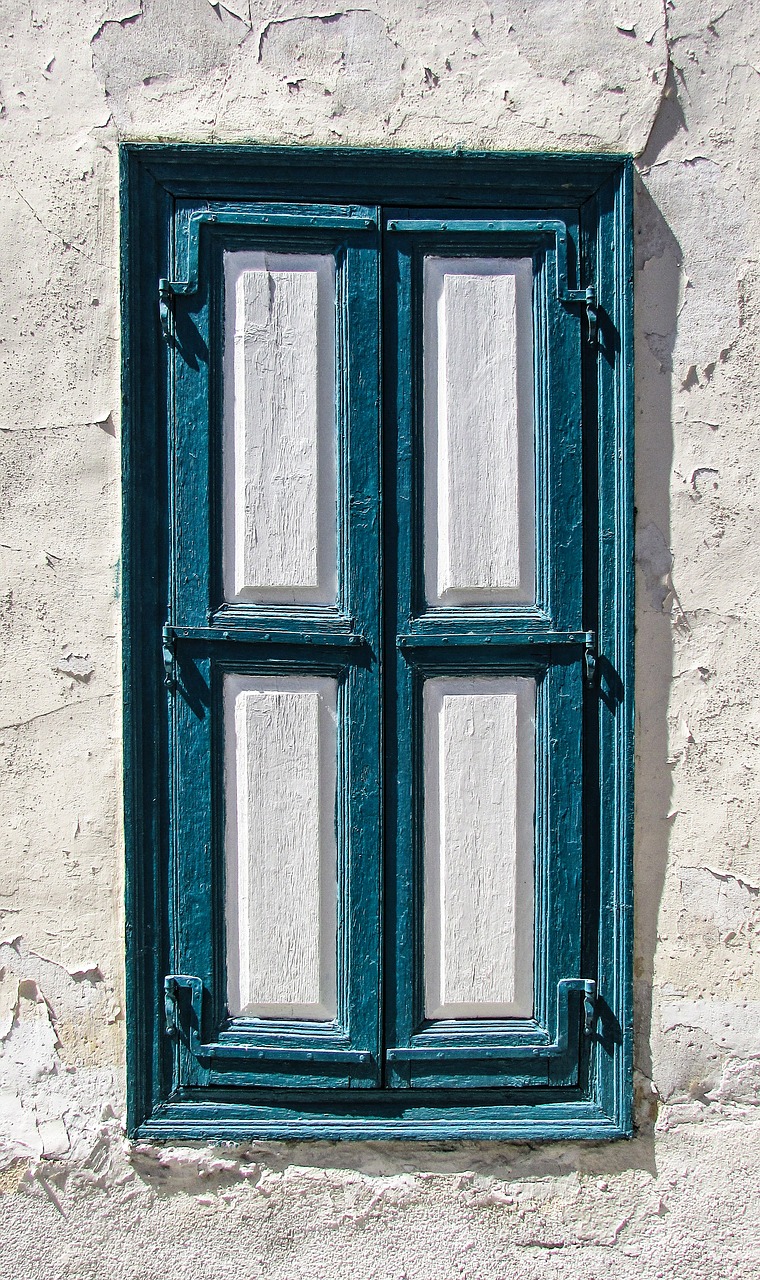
419	706
488	644
534	648
255	671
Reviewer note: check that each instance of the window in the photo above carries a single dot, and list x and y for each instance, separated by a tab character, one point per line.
377	638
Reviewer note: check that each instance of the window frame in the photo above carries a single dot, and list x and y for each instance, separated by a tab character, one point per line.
597	193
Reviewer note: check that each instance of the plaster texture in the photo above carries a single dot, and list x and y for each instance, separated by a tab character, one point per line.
675	82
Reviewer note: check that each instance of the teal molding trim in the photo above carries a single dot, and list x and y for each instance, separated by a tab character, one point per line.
237	1048
262	218
379	1070
555	1048
524	229
412	1116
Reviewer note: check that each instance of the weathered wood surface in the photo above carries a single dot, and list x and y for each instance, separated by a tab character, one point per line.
478	393
479	749
279	428
280	768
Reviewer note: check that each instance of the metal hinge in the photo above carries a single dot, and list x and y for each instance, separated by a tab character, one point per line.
589	1005
170	1006
169	655
589	658
592	314
165	296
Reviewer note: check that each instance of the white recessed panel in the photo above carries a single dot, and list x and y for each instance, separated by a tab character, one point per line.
479	741
279	428
479	450
280	772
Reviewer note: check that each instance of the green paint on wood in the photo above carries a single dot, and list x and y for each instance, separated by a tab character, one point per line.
182	207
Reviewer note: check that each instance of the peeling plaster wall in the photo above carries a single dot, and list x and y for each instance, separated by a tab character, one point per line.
675	82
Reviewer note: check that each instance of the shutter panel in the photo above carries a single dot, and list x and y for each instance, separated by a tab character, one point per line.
274	639
488	689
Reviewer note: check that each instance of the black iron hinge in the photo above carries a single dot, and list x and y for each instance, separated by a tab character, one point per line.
169	655
589	658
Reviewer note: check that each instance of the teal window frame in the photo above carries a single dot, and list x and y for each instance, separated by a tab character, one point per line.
378	1072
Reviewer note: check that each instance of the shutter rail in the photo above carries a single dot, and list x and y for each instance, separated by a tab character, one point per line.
188	1029
555	1048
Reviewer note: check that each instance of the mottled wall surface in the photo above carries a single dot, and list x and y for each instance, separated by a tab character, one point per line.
675	82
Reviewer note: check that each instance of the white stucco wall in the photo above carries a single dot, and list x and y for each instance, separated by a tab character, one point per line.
676	82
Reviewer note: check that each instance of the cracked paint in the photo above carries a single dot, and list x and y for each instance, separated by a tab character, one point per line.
676	84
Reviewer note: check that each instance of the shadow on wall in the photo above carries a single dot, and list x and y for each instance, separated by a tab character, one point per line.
658	266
